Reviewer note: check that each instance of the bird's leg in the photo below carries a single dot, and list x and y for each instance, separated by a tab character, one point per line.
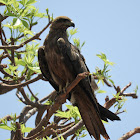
67	84
63	89
60	88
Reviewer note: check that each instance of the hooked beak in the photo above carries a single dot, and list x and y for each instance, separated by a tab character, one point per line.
72	24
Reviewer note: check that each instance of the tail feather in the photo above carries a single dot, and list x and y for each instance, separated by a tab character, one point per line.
90	115
106	114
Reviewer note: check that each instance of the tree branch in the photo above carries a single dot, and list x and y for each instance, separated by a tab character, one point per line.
71	131
4	88
130	134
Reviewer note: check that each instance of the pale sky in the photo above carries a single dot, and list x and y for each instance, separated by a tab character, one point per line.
108	26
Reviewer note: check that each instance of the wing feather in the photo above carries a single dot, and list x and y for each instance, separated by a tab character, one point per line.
44	68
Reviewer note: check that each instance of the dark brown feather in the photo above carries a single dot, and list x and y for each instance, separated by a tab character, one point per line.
90	114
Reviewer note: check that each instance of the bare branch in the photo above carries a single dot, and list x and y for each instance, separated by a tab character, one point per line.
4	88
32	93
133	95
24	112
111	102
130	134
127	86
29	114
72	130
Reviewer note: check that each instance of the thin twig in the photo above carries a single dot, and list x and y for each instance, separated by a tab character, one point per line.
32	93
127	86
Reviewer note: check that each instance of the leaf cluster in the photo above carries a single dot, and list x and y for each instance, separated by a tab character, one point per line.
103	74
76	41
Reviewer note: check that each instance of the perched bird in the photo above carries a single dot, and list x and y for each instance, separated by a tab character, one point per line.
60	62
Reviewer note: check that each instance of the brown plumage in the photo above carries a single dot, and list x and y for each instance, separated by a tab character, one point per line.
60	63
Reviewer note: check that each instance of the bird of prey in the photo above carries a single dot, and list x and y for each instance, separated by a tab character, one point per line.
60	62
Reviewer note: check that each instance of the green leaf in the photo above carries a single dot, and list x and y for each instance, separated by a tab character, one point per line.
25	23
47	11
29	59
74	111
41	15
31	2
101	91
35	69
7	70
73	31
63	114
10	14
14	21
83	135
48	102
26	129
105	122
2	1
83	44
62	138
16	4
13	68
32	98
136	89
28	32
76	42
104	58
4	126
23	2
31	7
20	62
111	81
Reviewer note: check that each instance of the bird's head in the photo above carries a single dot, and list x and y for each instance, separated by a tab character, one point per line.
62	22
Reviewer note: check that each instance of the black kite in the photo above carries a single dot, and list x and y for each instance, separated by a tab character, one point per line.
60	63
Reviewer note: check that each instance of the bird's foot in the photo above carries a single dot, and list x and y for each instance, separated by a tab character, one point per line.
64	89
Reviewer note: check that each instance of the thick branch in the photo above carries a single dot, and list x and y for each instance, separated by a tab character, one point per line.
18	134
4	88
